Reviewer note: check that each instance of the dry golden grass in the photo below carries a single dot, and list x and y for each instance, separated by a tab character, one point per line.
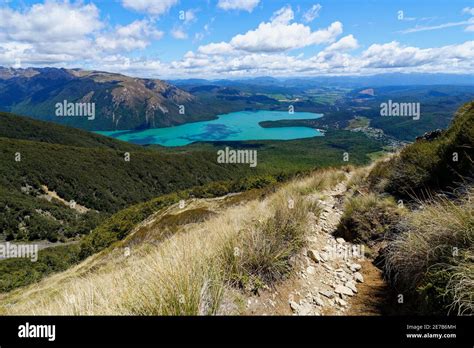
199	271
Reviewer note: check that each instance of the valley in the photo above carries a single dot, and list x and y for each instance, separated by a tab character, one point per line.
89	195
332	241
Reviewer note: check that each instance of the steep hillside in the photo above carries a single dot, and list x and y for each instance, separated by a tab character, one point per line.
415	213
439	160
121	102
25	128
203	257
44	167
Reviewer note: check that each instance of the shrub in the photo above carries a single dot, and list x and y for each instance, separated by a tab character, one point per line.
425	166
368	218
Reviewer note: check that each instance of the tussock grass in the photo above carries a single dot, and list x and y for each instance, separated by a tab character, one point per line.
261	254
433	254
358	178
314	183
199	271
368	218
461	284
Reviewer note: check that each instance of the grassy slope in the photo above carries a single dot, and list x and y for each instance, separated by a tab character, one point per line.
430	238
195	269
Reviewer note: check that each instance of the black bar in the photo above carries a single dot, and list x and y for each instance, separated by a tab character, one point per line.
347	331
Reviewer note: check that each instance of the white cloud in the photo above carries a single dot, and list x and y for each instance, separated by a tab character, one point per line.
216	48
312	13
246	5
72	35
346	43
283	16
278	35
395	55
190	16
136	35
152	7
271	37
435	27
468	10
48	33
379	58
50	21
179	33
212	61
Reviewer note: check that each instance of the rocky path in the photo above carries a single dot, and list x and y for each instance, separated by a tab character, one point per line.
329	271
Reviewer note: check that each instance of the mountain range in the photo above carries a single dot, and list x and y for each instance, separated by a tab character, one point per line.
129	103
121	102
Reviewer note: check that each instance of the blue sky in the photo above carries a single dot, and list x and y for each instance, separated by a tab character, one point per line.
235	38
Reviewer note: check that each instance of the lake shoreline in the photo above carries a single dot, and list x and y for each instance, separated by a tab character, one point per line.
235	126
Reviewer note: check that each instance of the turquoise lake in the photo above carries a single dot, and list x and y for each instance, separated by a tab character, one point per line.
241	125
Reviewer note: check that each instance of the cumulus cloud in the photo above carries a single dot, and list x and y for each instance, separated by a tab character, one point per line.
48	33
312	13
395	55
246	5
346	43
334	59
152	7
276	37
50	21
73	33
280	34
216	48
206	31
136	35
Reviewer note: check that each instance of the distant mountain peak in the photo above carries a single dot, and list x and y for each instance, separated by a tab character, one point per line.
122	102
